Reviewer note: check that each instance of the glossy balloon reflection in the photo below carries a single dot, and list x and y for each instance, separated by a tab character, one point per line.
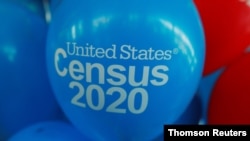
120	70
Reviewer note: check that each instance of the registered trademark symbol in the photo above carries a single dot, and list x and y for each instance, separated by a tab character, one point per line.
175	51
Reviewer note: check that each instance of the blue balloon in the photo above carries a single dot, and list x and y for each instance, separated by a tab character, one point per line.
53	4
26	96
191	116
49	131
51	7
35	6
205	89
122	69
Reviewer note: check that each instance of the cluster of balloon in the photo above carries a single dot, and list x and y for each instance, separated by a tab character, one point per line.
204	91
49	131
226	31
230	98
25	94
121	70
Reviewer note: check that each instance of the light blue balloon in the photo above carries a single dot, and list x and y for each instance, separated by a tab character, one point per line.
49	131
25	93
122	69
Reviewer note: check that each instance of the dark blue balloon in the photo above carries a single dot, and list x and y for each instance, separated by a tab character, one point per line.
49	131
204	91
192	114
25	94
122	69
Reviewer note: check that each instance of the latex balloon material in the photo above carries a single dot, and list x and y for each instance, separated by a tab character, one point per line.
25	94
54	4
121	70
204	91
192	114
230	99
35	6
226	31
51	7
49	131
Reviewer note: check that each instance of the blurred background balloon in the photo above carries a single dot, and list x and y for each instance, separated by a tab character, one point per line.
191	115
49	131
54	4
204	92
121	70
25	94
230	99
227	31
35	6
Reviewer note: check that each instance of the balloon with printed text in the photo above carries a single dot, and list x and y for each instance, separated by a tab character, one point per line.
25	94
121	70
226	31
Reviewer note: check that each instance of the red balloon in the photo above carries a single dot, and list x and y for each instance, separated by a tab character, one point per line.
230	98
227	30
